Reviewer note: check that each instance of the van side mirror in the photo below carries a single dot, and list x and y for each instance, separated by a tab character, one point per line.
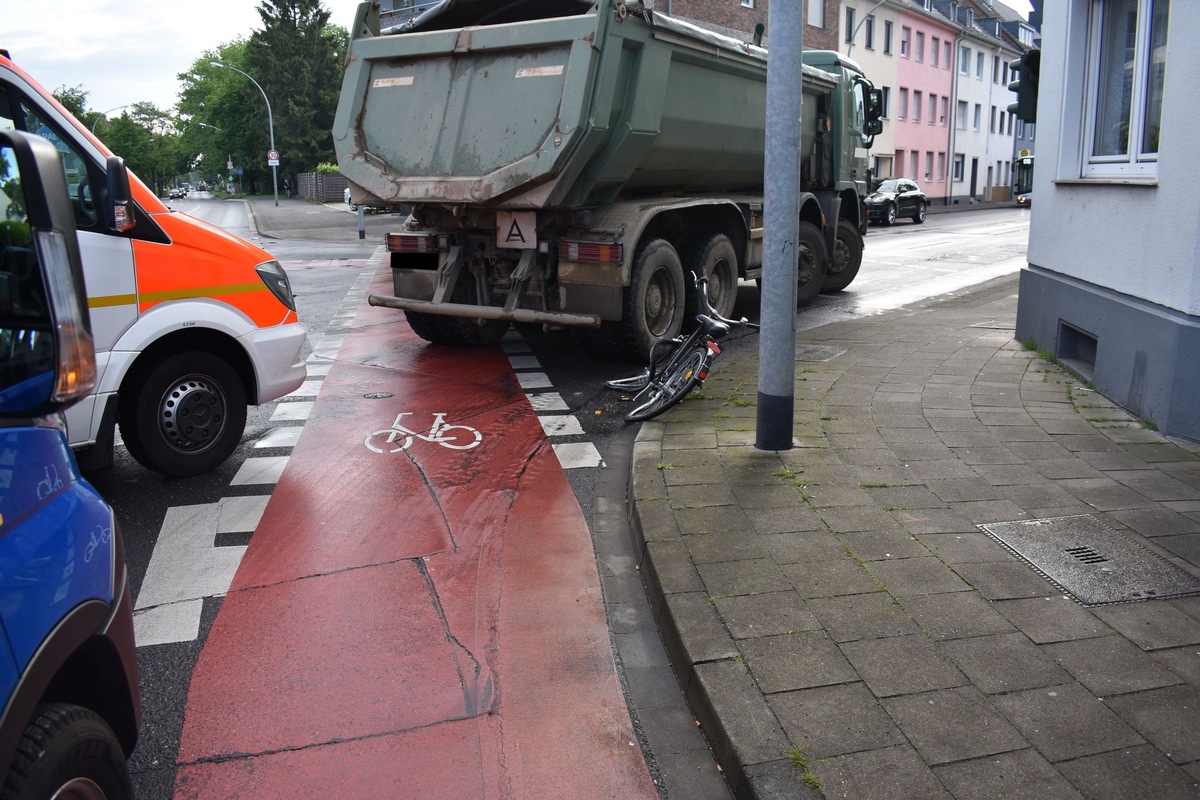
47	359
118	210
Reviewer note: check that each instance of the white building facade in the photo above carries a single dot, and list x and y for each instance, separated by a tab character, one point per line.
1112	287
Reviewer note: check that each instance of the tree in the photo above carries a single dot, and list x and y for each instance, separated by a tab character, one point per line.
74	99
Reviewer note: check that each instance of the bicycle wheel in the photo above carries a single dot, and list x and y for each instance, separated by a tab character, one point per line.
673	386
389	437
458	441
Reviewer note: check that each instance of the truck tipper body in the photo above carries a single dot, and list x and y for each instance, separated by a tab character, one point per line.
571	162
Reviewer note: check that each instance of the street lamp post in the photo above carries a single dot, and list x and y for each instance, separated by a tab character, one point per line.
105	114
206	125
270	123
854	33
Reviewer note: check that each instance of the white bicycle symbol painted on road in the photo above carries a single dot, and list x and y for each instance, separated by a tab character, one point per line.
398	437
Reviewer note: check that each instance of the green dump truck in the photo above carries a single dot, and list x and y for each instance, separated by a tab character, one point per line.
569	162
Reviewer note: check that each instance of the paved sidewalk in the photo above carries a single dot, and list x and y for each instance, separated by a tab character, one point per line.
838	620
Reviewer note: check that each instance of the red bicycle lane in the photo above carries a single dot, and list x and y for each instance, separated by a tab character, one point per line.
420	623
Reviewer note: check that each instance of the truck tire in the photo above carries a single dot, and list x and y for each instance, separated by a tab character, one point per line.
811	263
717	259
185	415
846	258
472	332
67	751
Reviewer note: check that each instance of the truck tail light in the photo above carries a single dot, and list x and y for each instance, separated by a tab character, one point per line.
591	252
412	243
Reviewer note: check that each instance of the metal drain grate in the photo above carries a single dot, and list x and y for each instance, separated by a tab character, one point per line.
1092	562
818	352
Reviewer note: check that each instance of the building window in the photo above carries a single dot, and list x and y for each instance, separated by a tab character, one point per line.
849	23
887	101
946	52
899	163
941	173
978	115
959	164
920	47
1002	122
905	38
902	113
992	124
932	109
887	36
996	74
869	32
935	47
816	13
945	110
914	163
747	3
962	115
918	99
964	60
979	66
929	166
1128	62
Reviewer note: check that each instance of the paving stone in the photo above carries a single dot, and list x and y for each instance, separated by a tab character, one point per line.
784	520
683	756
1186	546
796	661
737	721
656	521
678	475
945	469
789	548
1053	618
1009	474
770	614
1104	494
902	665
702	495
1153	522
834	495
1111	665
1003	662
709	547
694	631
775	780
669	567
862	616
1183	661
1066	721
1043	495
1132	772
880	545
832	578
953	725
860	518
1018	775
1004	581
985	511
1037	450
1168	717
1151	625
955	615
912	576
717	519
784	495
932	520
892	498
1057	469
966	547
728	578
834	720
965	489
889	773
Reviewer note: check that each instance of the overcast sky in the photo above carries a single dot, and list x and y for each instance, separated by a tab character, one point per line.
129	51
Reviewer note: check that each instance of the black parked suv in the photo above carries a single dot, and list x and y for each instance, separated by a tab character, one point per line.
896	197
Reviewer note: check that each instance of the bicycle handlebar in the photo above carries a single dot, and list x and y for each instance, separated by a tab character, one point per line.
701	284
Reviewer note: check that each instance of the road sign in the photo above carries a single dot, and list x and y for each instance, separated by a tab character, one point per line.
272	158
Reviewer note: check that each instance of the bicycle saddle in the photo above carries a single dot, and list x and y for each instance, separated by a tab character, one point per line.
712	327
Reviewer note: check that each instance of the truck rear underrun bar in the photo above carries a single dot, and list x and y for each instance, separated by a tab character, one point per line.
484	312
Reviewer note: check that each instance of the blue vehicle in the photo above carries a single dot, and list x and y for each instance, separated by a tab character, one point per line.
68	666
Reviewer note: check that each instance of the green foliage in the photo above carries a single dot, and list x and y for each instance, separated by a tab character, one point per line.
326	167
74	98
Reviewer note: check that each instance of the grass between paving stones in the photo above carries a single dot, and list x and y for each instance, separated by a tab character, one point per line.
800	762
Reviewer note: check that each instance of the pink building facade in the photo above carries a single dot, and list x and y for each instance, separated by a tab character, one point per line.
923	106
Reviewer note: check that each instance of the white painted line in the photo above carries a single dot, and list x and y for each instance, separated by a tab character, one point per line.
524	362
318	369
280	437
241	514
574	455
547	401
186	563
306	389
534	380
561	425
327	347
176	622
291	412
260	469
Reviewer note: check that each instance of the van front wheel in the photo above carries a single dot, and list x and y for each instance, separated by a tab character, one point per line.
185	415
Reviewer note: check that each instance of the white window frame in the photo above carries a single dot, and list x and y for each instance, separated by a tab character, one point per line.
888	32
960	167
869	32
816	14
851	11
905	41
1134	163
964	60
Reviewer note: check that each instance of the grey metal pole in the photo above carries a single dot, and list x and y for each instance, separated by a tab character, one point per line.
270	123
781	227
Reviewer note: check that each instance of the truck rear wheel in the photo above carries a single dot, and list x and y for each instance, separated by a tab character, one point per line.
185	415
846	259
470	331
717	259
811	261
68	751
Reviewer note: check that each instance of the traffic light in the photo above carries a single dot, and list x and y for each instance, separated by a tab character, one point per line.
1026	85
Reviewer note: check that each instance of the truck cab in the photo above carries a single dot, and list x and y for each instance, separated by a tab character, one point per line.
70	708
191	323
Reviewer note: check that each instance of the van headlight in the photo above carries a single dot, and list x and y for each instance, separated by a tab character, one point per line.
276	279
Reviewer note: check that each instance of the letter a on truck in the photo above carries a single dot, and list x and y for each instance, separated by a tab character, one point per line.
191	323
